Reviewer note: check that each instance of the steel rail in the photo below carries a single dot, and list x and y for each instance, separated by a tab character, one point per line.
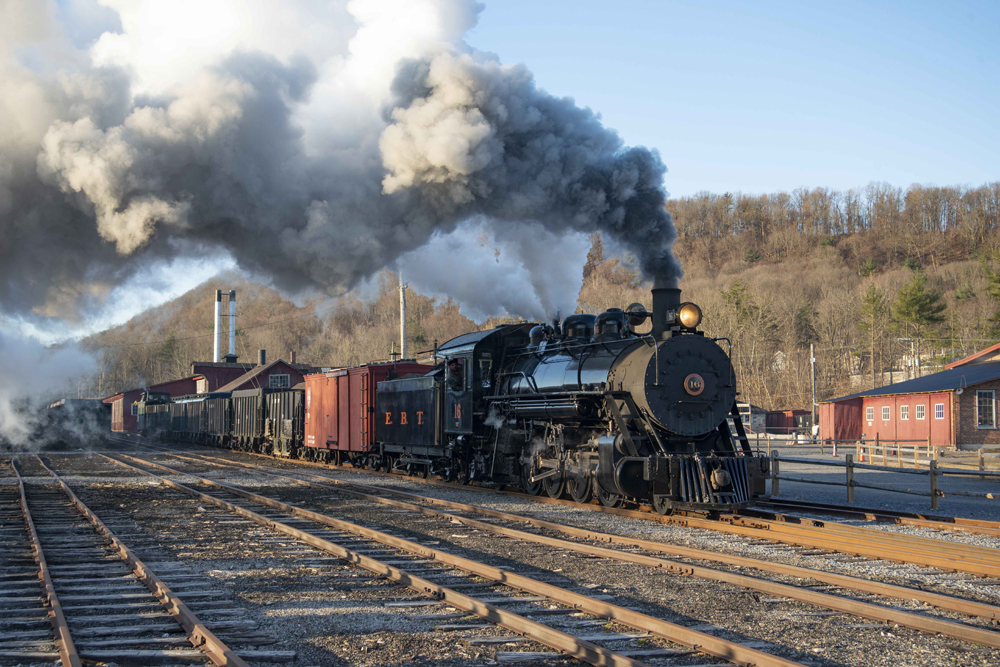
64	640
560	641
864	609
874	544
976	526
705	643
864	542
200	636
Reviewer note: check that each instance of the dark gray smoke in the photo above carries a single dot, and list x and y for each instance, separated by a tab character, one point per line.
292	162
475	137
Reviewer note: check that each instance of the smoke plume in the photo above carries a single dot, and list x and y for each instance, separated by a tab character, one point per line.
313	142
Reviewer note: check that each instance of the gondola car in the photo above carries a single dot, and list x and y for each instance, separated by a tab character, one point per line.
268	421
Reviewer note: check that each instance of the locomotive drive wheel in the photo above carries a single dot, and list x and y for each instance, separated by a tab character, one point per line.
609	499
662	505
554	486
531	488
581	489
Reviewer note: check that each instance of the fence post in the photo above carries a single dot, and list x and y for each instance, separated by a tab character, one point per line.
916	456
982	464
774	473
834	449
849	460
899	456
934	489
875	451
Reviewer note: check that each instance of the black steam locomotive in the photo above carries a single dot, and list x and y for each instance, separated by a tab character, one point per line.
586	408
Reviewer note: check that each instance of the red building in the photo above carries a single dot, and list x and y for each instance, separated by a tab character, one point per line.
123	408
210	375
276	375
955	407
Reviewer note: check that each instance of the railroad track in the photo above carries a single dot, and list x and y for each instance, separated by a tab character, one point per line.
936	522
72	591
652	557
518	602
796	531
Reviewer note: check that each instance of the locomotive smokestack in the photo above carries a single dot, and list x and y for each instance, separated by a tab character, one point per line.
218	323
665	299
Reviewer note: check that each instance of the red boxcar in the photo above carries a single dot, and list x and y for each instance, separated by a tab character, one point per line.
340	409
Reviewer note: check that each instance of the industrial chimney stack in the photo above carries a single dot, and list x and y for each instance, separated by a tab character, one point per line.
218	323
232	325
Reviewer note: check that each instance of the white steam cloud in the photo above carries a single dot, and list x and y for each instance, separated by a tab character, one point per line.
31	377
314	142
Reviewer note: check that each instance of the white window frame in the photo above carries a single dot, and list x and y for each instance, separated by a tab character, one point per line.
904	413
939	411
135	409
989	395
921	411
870	413
886	413
271	384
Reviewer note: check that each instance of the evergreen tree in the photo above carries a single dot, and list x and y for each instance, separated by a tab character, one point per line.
918	309
802	324
874	312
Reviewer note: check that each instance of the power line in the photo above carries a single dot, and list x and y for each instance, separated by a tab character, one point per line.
177	340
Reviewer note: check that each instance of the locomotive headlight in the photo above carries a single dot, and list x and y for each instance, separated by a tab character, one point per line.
689	315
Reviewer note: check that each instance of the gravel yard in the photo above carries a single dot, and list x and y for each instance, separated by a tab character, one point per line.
332	613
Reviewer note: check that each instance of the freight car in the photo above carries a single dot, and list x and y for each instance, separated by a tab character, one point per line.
341	412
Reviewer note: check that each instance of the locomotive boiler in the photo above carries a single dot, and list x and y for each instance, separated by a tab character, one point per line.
588	407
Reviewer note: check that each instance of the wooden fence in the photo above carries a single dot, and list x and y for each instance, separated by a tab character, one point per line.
933	472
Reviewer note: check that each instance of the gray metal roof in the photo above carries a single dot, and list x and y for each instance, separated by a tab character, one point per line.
949	380
476	336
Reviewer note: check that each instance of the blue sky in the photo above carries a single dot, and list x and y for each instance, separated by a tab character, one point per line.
768	96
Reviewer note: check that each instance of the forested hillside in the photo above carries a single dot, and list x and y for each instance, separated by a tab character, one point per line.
874	278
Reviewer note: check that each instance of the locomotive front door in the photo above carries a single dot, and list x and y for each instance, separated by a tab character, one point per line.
458	395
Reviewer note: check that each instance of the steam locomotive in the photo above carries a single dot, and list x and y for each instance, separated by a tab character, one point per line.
587	407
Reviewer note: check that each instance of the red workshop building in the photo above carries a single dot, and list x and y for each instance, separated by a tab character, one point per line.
954	408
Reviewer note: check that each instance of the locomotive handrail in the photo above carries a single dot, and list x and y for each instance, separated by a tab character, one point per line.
656	357
530	380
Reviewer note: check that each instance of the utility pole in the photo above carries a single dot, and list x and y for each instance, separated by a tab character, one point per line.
812	364
402	317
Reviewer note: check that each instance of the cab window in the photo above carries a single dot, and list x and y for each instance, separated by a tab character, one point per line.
455	374
484	371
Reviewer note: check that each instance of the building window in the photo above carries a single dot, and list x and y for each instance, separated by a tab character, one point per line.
870	414
985	410
278	382
920	411
135	409
904	412
886	413
939	411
